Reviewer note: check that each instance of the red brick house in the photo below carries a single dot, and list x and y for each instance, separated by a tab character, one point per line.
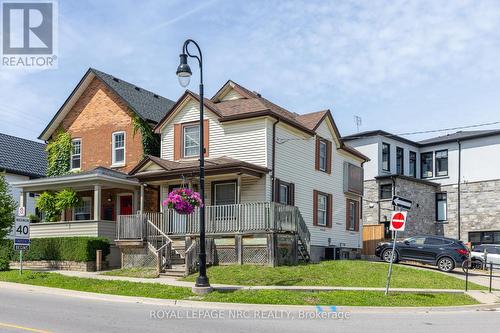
99	115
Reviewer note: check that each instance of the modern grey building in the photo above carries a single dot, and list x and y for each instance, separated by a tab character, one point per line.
453	180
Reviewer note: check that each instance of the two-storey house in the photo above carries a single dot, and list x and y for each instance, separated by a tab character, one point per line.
453	181
270	174
105	118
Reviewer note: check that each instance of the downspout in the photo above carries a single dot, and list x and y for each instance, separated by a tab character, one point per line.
458	186
273	158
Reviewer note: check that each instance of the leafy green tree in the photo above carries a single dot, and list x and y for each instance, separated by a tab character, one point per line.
53	204
7	207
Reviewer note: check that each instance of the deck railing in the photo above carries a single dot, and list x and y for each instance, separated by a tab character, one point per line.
221	219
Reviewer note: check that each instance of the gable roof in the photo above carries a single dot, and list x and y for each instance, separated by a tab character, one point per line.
252	105
147	105
22	157
365	134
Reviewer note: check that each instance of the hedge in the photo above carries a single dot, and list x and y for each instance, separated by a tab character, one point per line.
79	249
4	264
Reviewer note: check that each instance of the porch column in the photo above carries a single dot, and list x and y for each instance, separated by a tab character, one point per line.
135	202
141	205
239	190
97	202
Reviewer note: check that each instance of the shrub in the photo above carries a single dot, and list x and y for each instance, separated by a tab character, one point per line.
79	249
4	264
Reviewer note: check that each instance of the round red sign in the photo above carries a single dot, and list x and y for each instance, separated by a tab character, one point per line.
398	221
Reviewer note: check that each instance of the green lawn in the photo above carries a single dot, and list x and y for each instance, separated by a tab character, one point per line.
339	298
123	288
346	273
155	290
148	273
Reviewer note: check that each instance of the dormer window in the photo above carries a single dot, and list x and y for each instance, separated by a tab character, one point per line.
191	140
118	146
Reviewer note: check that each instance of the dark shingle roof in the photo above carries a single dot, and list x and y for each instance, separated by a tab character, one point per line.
21	156
461	135
146	104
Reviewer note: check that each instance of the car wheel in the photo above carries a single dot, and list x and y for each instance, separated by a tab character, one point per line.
446	264
386	255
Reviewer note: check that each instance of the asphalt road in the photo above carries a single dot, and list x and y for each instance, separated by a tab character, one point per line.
34	311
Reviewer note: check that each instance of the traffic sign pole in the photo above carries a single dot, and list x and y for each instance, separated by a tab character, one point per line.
390	263
21	262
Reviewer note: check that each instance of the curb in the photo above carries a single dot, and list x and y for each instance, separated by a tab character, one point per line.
237	306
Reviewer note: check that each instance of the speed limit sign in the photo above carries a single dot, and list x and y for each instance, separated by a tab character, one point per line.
22	233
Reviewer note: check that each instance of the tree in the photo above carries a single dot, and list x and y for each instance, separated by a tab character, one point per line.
7	207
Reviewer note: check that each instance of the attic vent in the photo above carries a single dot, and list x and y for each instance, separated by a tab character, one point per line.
156	96
137	88
115	79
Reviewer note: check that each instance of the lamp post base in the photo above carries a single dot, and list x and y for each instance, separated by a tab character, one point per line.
202	290
202	281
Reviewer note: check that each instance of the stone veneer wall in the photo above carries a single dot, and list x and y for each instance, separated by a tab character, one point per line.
89	266
370	196
480	208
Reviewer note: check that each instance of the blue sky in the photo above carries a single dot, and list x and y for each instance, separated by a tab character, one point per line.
402	66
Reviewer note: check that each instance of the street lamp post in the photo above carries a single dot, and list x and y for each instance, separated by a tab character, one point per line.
184	74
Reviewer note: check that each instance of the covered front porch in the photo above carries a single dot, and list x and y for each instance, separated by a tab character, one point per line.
103	194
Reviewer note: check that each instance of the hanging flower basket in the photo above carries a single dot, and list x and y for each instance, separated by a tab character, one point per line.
183	200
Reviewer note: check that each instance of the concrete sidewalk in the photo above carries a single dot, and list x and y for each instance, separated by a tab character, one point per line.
224	287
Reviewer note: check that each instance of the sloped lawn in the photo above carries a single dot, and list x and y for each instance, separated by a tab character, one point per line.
338	273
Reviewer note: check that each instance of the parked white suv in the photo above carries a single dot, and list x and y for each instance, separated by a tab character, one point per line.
477	254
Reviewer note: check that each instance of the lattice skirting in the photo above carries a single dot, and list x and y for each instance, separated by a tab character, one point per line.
255	255
226	255
138	257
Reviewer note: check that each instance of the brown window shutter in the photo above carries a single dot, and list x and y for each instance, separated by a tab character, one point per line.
347	213
316	155
329	157
292	194
206	136
356	220
276	190
315	207
177	141
329	210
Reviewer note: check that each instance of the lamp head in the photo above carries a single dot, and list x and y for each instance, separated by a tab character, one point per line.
183	71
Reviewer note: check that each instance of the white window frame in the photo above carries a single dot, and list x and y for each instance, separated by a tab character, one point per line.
352	214
114	149
232	183
184	127
74	155
323	223
323	143
91	207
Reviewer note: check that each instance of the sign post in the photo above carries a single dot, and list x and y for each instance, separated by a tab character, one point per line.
398	222
21	238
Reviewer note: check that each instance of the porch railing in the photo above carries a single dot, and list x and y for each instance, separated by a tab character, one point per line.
221	219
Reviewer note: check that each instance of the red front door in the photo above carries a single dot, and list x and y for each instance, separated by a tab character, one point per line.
126	205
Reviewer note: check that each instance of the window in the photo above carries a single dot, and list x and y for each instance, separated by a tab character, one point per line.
119	148
353	178
191	140
426	165
82	212
385	191
400	154
284	192
322	209
413	164
323	155
441	163
352	218
441	206
484	237
416	240
76	154
386	157
224	193
435	241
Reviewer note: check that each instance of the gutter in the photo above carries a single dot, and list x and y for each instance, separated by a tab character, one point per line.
273	159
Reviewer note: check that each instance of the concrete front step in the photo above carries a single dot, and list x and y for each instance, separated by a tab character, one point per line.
175	270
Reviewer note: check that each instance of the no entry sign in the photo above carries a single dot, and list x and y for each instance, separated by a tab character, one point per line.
398	221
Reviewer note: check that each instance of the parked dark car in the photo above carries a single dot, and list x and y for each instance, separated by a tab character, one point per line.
445	253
